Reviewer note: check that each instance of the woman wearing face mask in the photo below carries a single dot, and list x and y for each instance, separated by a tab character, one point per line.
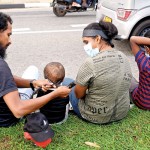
101	94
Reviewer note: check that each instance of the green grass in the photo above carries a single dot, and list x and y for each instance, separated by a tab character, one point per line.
132	133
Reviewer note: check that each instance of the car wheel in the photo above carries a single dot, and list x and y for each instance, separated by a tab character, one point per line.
142	28
59	11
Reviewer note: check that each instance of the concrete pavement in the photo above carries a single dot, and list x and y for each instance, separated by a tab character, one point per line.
24	5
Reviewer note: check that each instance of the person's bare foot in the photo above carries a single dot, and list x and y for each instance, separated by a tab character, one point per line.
85	5
76	4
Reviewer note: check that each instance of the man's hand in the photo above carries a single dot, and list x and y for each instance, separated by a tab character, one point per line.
44	84
62	91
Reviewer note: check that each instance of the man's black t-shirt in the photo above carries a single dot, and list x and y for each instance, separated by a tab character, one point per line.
7	85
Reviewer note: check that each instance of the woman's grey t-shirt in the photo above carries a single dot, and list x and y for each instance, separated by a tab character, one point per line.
108	77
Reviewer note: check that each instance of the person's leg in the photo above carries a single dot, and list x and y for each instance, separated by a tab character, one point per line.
134	85
72	98
84	3
67	81
74	102
30	73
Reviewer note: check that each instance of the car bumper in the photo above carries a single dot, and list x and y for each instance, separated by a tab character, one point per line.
124	27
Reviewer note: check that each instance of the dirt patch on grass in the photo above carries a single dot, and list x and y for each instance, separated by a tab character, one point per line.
4	143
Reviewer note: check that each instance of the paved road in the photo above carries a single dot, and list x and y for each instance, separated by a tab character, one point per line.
40	37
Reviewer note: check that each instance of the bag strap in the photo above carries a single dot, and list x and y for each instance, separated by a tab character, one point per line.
35	92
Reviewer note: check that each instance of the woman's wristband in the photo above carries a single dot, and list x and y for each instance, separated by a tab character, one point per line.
31	84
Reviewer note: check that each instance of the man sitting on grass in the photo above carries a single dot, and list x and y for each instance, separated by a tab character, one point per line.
141	92
12	107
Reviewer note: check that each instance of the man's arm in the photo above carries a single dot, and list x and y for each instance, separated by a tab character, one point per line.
22	83
25	83
135	41
23	107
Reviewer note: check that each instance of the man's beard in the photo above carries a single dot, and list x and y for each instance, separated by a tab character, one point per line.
3	52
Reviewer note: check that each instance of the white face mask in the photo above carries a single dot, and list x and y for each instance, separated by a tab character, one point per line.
90	51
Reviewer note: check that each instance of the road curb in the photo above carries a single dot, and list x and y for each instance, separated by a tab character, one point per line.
24	5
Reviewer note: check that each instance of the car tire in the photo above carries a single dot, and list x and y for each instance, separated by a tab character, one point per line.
58	11
141	28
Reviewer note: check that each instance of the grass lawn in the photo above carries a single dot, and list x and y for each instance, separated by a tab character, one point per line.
132	133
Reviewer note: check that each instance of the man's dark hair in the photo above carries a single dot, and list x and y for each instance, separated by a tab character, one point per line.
4	19
108	28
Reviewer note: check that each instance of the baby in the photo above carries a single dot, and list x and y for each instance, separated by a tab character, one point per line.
56	111
54	72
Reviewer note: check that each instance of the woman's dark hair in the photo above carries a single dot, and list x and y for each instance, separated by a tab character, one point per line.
4	19
108	28
147	34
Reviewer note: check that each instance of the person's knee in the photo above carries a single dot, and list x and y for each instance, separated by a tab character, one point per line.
67	81
31	72
33	68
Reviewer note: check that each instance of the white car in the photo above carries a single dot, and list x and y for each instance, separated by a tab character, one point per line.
131	17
